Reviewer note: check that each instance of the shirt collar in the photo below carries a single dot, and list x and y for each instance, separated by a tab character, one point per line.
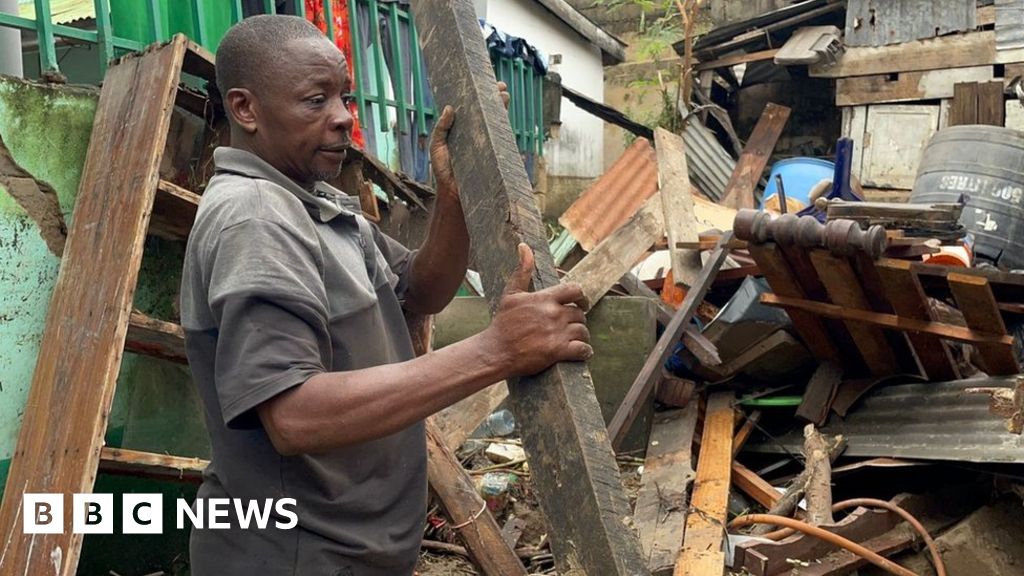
327	201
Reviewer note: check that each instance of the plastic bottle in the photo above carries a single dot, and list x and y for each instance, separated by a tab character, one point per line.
499	424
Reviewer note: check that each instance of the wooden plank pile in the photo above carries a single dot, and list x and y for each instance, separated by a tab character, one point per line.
751	304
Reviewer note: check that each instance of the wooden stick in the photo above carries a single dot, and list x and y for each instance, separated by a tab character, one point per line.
888	320
739	192
457	491
651	371
572	465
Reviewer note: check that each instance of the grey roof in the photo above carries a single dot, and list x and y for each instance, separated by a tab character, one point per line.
929	421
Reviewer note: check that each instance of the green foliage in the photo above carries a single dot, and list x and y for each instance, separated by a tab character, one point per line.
659	25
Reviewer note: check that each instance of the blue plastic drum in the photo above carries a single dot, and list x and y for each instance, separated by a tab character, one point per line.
799	176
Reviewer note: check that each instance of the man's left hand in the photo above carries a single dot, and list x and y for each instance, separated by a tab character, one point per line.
440	155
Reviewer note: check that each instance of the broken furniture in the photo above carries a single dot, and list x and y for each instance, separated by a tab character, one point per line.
120	200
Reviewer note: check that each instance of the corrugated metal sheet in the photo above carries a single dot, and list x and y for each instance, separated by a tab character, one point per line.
613	197
1009	24
62	11
623	189
930	421
709	164
881	22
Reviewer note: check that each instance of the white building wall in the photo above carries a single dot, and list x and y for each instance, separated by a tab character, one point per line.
579	149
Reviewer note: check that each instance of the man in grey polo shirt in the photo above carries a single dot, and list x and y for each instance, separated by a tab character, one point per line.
293	308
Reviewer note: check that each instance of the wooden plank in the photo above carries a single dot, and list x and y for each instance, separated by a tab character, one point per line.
906	86
780	277
456	422
975	300
651	371
573	468
477	527
156	338
739	192
778	349
199	62
821	391
905	294
149	465
174	211
677	205
888	321
194	102
991	104
703	349
844	289
743	434
964	109
758	56
954	51
855	120
467	509
702	554
83	340
843	562
747	481
617	254
660	515
766	559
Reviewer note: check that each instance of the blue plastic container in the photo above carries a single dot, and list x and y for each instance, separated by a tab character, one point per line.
799	175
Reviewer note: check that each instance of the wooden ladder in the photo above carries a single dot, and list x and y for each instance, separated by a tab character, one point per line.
90	322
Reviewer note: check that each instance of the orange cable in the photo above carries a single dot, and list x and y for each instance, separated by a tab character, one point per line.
933	550
822	534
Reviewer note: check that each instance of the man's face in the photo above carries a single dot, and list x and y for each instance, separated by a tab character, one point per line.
302	124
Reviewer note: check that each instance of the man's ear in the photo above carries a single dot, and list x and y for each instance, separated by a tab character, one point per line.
242	106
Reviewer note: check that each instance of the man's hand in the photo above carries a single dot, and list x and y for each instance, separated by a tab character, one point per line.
533	330
440	156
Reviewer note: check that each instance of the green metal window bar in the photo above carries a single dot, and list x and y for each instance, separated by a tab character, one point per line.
525	86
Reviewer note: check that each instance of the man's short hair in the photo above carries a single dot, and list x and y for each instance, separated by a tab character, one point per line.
251	50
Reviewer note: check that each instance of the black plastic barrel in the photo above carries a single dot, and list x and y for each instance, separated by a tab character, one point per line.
985	163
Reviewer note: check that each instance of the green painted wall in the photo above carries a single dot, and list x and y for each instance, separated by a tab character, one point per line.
47	130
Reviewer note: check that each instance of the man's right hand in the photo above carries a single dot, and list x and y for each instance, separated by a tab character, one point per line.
533	330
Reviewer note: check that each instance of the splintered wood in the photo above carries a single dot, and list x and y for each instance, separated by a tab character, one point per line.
572	464
660	515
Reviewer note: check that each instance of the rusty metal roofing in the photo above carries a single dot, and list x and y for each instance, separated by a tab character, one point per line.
929	421
614	197
622	190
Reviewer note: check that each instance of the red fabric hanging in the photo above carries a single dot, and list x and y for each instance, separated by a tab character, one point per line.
315	13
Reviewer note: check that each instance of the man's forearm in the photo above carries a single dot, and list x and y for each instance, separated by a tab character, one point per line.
440	265
337	409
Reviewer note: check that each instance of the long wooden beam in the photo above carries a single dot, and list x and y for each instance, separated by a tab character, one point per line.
890	321
701	553
573	467
651	370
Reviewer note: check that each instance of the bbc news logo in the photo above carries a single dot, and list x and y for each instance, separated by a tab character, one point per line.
143	514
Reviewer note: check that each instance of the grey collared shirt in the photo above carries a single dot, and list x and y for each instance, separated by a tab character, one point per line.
279	285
